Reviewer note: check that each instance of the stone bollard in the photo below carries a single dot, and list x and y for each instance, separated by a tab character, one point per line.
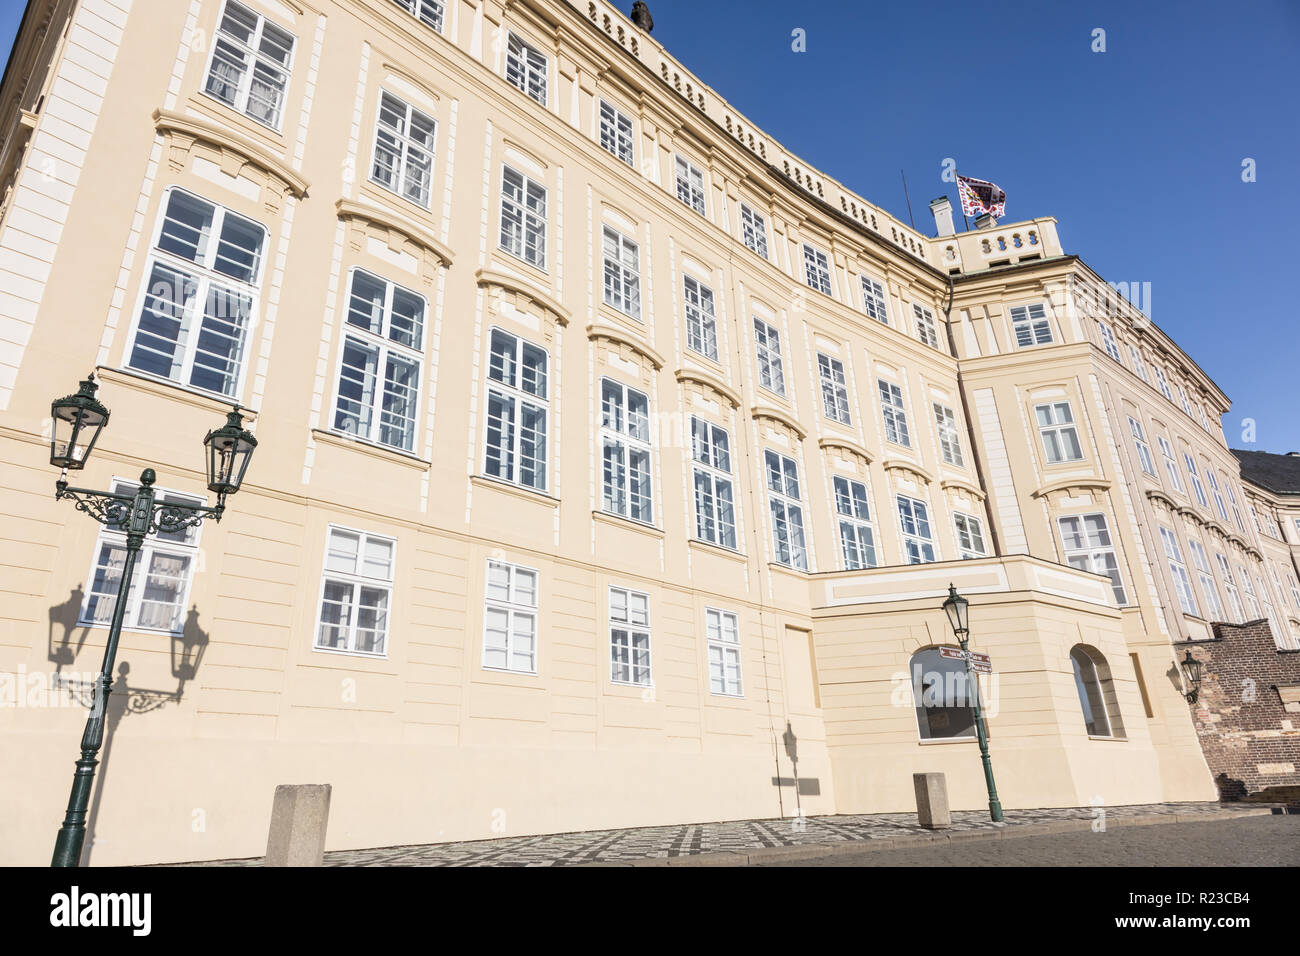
298	819
931	800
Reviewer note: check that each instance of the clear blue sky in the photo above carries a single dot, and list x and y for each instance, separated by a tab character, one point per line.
1137	151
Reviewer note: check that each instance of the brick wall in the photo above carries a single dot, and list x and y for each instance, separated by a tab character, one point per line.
1251	741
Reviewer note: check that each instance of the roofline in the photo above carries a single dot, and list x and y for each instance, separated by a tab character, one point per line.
18	36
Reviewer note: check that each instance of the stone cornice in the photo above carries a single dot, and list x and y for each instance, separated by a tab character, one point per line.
490	278
183	131
712	382
600	330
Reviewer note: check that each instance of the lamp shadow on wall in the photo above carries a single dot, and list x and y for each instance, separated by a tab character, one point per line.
65	618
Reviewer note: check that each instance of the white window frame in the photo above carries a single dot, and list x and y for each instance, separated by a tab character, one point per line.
1030	325
926	330
432	13
526	68
914	524
893	413
523	227
1230	586
713	487
1178	570
1053	433
1108	342
853	516
1092	556
357	581
622	273
617	134
691	189
1219	506
1163	383
785	506
401	144
945	421
1197	488
970	535
753	229
816	269
625	439
874	301
767	352
1171	464
835	390
1205	574
254	59
701	318
1145	461
722	633
636	674
517	396
1138	365
517	605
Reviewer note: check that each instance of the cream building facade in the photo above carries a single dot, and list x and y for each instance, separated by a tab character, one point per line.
613	463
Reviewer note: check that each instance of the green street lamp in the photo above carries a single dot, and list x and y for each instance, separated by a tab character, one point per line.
958	610
78	421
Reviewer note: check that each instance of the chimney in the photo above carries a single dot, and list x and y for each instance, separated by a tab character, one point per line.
985	221
942	210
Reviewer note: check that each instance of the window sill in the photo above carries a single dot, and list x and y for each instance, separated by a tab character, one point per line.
1116	740
219	111
631	524
341	652
166	388
131	628
534	267
939	741
375	449
392	199
717	550
786	569
631	322
527	494
505	677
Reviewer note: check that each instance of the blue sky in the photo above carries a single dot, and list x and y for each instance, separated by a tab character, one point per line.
1137	151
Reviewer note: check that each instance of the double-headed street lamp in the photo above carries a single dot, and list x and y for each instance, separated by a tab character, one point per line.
78	421
958	610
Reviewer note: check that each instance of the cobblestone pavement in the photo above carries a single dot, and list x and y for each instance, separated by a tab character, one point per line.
1252	841
642	843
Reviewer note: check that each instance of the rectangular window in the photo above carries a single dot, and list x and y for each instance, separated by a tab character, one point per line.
356	593
1030	326
1295	589
753	230
526	68
835	393
1108	342
1138	365
1248	589
918	541
690	184
517	412
379	362
1206	576
616	132
1182	584
767	343
970	536
715	506
201	295
1163	383
1218	495
250	64
701	327
1229	585
510	618
787	511
925	330
1232	499
523	217
164	572
724	653
873	300
816	269
629	636
1197	488
949	438
1088	547
1060	438
1171	464
404	139
430	12
625	451
1143	449
622	273
857	543
1187	405
894	414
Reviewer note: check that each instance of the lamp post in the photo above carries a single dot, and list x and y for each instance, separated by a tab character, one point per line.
78	421
958	610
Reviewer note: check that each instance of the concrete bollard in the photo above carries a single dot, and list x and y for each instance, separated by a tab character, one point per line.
299	815
932	800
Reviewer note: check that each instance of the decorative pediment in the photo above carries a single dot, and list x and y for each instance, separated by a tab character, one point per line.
845	449
189	137
627	345
1158	496
522	295
1067	486
707	382
398	234
910	467
779	420
954	484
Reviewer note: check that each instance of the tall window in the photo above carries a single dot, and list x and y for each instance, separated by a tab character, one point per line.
767	344
517	412
1248	589
925	329
1138	365
523	217
701	327
894	414
1232	499
202	291
167	559
1190	462
1230	586
949	438
835	393
1143	449
1187	405
404	140
1096	694
873	299
1088	546
816	269
1108	342
690	184
1218	495
787	511
753	230
918	539
944	700
1030	325
1171	463
379	363
970	535
616	131
356	592
629	636
510	618
622	273
857	543
625	451
429	11
724	653
715	508
1060	437
1206	576
250	64
1163	383
1182	584
526	68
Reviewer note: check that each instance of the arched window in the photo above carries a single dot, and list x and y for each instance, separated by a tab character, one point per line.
1096	693
943	703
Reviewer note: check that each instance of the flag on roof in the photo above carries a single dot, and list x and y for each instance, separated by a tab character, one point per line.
978	196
